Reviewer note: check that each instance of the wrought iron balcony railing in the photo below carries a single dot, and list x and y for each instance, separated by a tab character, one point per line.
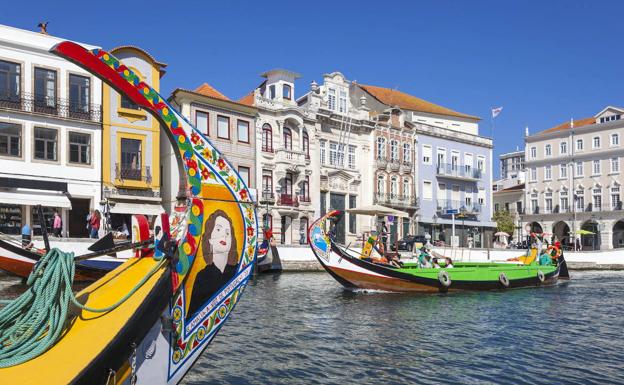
457	171
396	200
461	206
44	105
127	172
287	200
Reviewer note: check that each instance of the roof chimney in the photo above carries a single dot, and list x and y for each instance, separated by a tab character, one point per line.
43	27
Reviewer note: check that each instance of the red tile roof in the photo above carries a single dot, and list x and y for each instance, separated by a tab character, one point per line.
247	99
512	188
208	90
409	102
566	125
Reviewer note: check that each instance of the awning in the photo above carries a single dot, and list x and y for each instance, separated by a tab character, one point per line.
35	197
136	208
378	210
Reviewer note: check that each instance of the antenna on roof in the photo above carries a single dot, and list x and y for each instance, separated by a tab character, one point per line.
571	122
43	27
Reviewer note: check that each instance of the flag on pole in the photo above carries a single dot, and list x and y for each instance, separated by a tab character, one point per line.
496	111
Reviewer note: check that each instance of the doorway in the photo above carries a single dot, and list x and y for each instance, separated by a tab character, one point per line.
77	223
337	202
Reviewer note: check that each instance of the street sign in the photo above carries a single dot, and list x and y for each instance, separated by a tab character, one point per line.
452	211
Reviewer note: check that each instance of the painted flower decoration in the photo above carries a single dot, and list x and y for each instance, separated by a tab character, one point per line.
221	163
205	173
231	180
250	250
191	163
207	154
195	138
244	194
250	231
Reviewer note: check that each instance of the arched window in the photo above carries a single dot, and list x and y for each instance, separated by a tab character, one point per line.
381	185
394	150
394	187
406	188
305	189
267	138
306	144
381	148
287	138
407	155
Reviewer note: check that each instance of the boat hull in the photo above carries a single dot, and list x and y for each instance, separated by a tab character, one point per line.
270	262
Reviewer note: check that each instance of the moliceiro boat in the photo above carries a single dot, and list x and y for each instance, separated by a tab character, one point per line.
433	273
148	320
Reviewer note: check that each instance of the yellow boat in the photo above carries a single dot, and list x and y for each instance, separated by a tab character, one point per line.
181	290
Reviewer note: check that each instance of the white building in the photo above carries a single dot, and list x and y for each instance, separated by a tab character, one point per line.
287	164
50	134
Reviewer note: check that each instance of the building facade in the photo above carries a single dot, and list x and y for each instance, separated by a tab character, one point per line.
511	164
50	135
287	163
228	124
573	181
452	166
130	146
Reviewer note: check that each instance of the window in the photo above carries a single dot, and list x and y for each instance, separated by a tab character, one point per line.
441	191
267	184
481	164
616	203
9	81
223	127
79	94
333	154
45	88
407	155
267	138
331	99
427	190
394	187
596	167
381	185
79	148
406	188
481	199
287	138
306	144
201	122
128	104
496	207
548	202
468	197
10	139
305	189
341	155
381	148
272	91
46	141
286	91
533	152
322	144
615	139
580	200
243	130
615	165
394	150
597	196
579	168
563	148
534	205
454	161
548	172
244	174
579	144
352	217
610	118
351	160
563	200
426	154
468	164
563	171
548	150
533	174
596	142
342	102
131	159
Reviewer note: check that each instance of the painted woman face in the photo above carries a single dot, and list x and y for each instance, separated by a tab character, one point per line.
221	237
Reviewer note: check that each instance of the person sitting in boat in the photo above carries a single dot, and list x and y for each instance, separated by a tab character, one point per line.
219	250
424	259
449	263
436	265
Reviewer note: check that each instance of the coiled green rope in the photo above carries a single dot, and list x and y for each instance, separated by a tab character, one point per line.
32	323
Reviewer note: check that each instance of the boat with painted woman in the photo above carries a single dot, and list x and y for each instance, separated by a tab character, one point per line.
148	320
431	273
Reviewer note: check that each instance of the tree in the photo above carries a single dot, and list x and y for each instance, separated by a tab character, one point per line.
504	221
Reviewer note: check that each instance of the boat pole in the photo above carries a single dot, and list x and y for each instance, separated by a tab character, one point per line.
44	229
453	230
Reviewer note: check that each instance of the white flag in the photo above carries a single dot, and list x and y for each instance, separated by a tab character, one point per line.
496	111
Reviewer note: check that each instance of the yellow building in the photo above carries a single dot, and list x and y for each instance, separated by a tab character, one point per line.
130	146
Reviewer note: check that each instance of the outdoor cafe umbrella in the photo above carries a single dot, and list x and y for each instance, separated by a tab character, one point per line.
501	234
583	232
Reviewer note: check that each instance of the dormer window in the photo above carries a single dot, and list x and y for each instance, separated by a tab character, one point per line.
272	91
331	99
287	91
342	102
611	118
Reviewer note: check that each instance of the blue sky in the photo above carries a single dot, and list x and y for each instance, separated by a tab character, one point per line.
543	61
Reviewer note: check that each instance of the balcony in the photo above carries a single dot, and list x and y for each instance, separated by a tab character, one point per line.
304	200
291	158
395	200
395	165
58	107
267	198
454	171
381	162
125	172
287	200
461	206
406	167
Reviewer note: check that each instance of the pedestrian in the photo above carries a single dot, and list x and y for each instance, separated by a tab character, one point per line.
26	236
57	225
94	224
89	223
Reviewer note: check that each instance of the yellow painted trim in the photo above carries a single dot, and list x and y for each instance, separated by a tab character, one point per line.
127	113
106	135
125	182
140	128
156	138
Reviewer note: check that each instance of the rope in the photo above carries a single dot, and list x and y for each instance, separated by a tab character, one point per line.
33	322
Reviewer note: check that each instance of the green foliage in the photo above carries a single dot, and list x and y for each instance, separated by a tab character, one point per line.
504	221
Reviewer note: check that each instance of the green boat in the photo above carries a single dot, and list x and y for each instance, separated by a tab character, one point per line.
357	271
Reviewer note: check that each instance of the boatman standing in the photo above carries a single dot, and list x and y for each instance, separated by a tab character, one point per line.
26	236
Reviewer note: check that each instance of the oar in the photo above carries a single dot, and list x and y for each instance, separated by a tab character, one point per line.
118	247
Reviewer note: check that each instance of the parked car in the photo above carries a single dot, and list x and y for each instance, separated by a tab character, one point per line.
409	243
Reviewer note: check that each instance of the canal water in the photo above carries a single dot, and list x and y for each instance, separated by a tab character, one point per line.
303	328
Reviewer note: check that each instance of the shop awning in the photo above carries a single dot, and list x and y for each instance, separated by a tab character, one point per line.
35	197
136	208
